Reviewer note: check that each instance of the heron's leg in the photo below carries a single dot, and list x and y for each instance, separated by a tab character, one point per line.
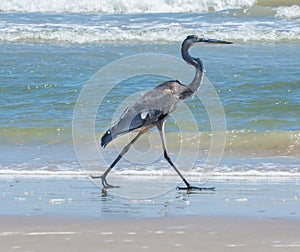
188	187
160	127
123	152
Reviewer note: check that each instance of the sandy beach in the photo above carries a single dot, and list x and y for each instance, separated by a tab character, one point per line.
41	233
70	214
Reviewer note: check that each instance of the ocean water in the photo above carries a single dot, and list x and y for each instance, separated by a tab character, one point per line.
51	49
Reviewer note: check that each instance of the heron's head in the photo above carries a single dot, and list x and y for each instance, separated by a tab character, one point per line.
195	39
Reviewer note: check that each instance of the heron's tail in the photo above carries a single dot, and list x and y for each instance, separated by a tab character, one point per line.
106	138
129	121
111	134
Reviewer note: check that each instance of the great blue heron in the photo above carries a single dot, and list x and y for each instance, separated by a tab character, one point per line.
153	108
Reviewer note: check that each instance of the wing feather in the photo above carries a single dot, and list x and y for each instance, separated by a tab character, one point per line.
150	108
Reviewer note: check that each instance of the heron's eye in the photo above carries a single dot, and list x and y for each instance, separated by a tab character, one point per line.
108	132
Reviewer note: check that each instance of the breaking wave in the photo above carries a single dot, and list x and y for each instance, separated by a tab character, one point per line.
121	6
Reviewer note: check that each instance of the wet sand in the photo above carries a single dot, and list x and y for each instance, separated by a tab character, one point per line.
71	214
48	233
78	196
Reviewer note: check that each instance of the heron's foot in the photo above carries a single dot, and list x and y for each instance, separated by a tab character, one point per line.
190	188
105	184
108	186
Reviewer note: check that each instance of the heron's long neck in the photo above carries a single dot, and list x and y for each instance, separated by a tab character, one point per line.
197	63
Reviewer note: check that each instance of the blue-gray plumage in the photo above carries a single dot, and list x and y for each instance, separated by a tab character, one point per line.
150	108
154	106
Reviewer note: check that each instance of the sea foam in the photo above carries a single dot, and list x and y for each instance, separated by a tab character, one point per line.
159	32
121	6
288	12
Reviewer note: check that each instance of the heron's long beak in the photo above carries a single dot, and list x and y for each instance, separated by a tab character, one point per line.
215	41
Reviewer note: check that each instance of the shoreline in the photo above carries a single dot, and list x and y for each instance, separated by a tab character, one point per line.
44	233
